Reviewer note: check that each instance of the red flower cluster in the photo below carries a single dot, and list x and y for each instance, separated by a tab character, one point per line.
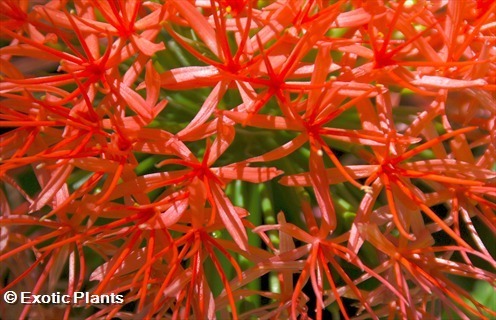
147	147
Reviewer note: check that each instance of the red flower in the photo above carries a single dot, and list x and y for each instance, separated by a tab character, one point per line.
380	116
